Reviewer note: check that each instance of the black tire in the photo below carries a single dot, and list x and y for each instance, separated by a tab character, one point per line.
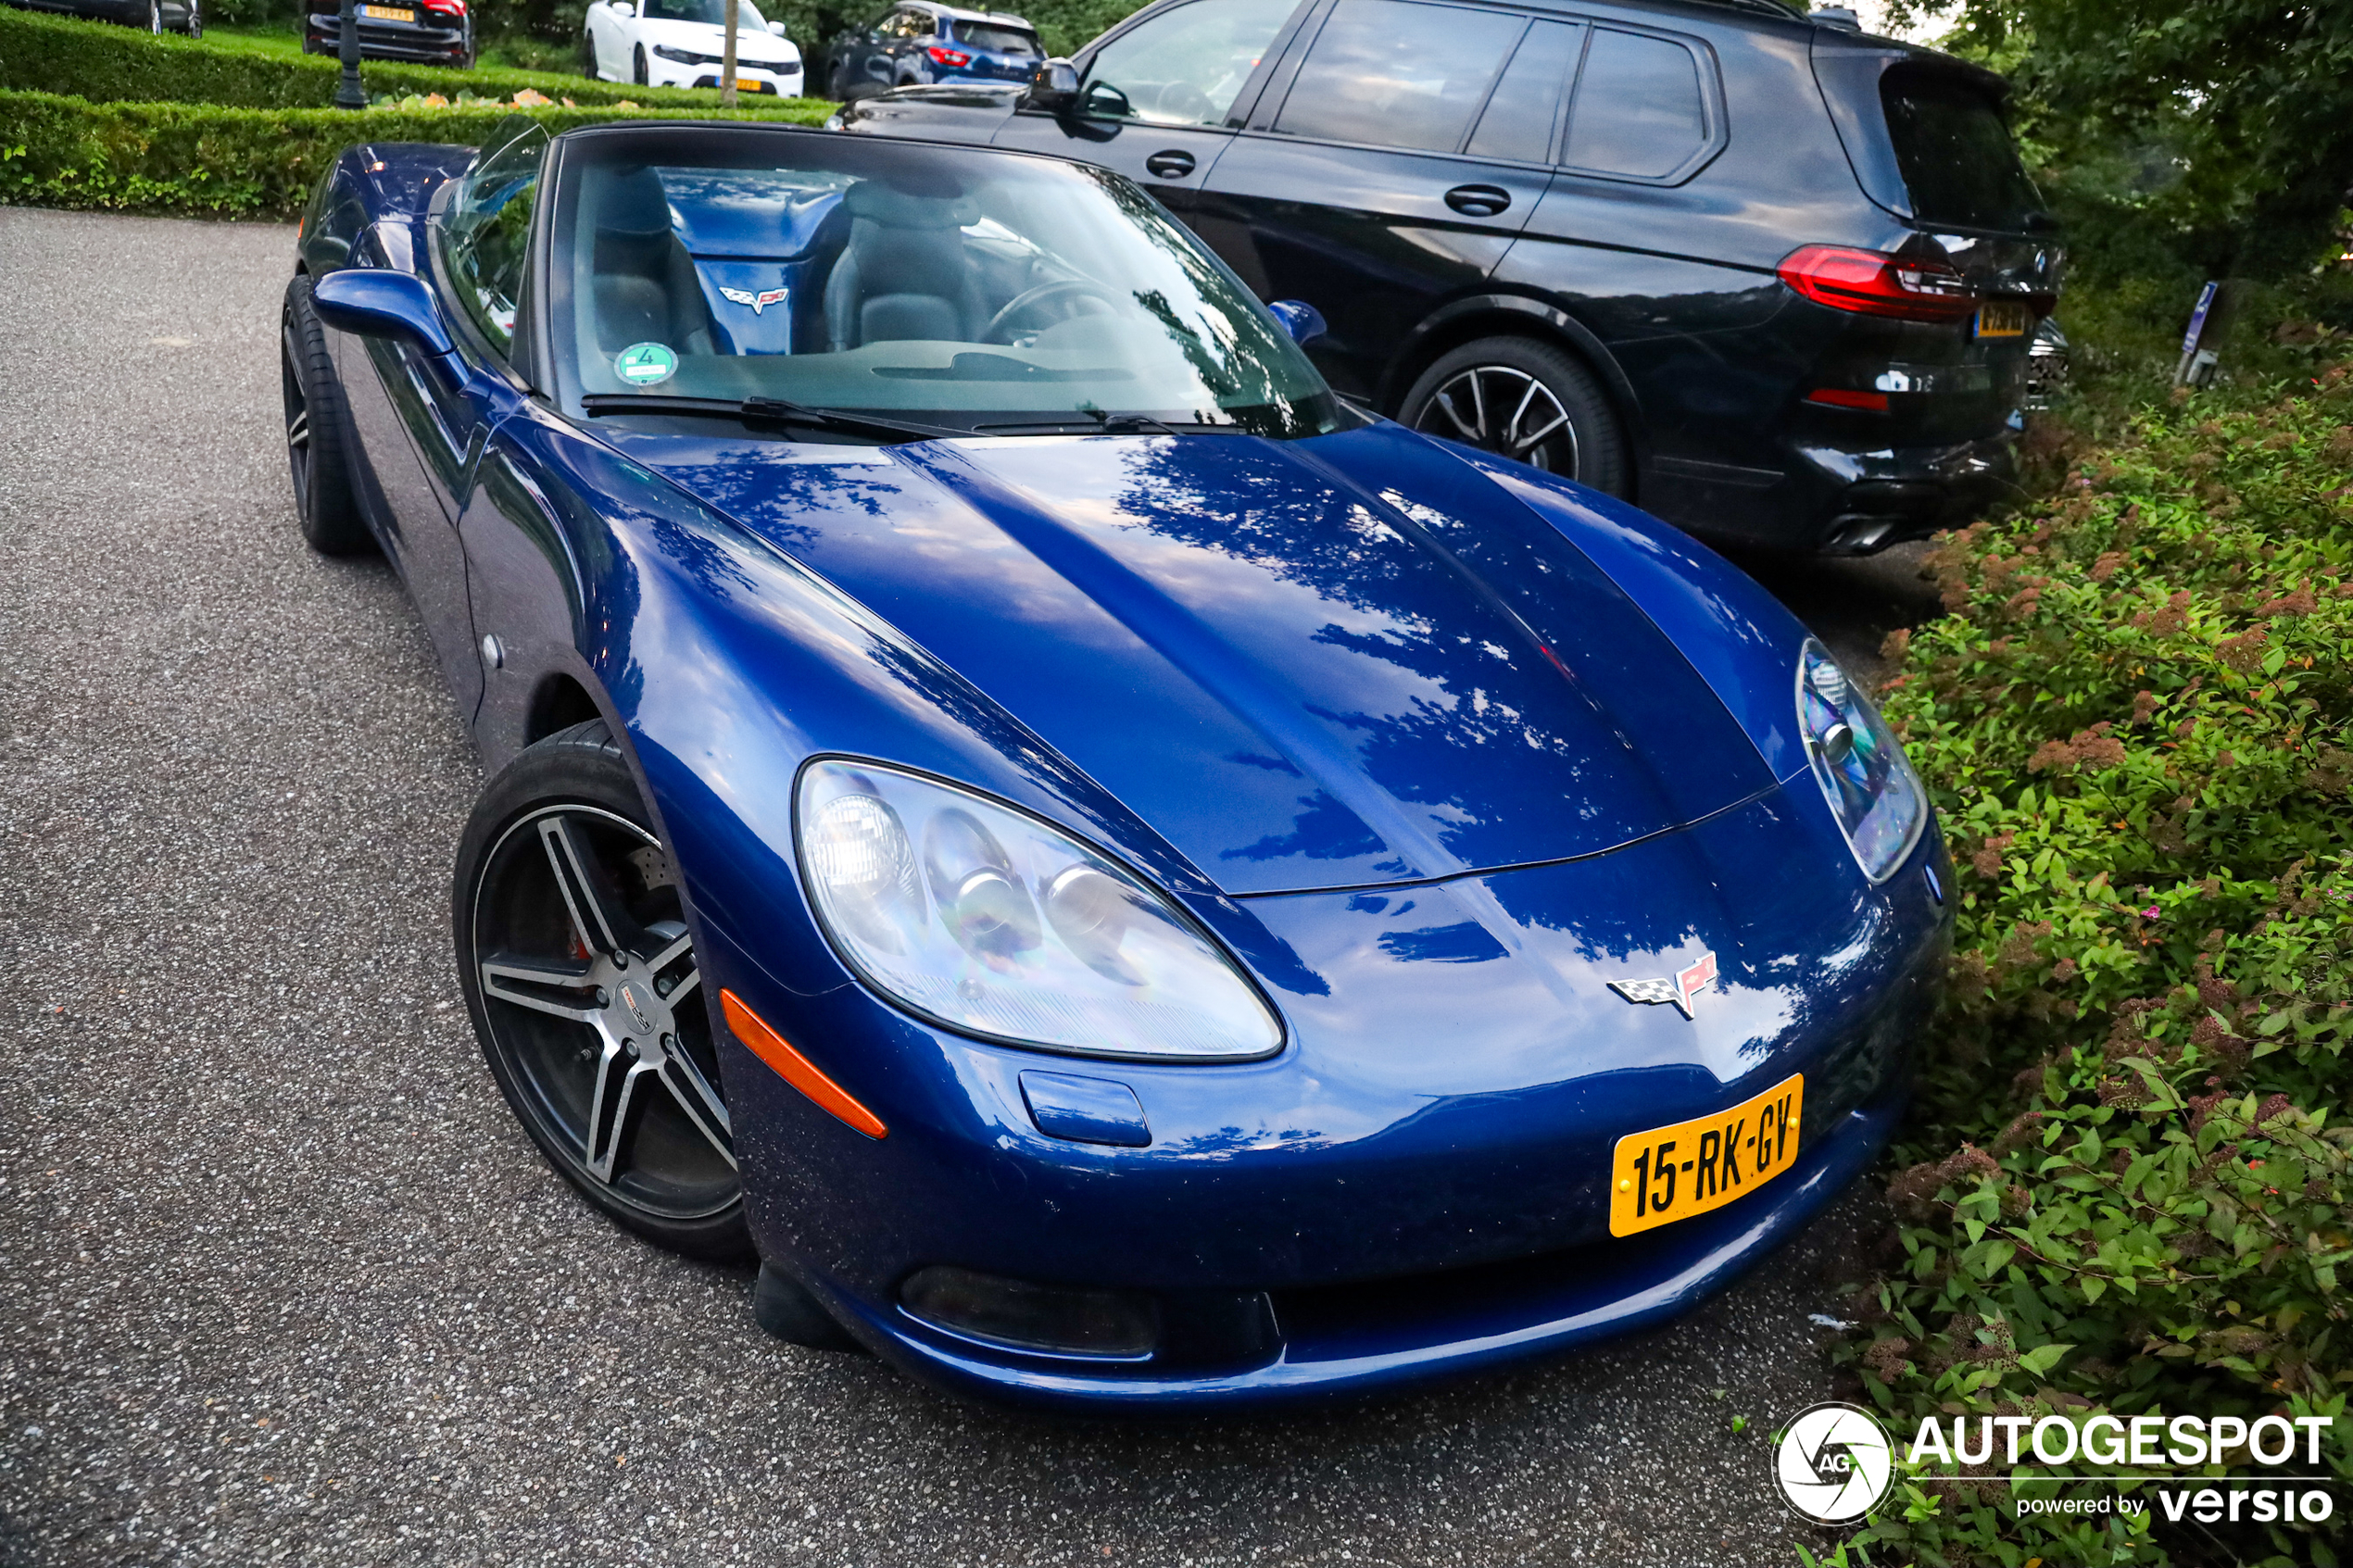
785	1308
589	54
639	68
317	439
572	949
1526	399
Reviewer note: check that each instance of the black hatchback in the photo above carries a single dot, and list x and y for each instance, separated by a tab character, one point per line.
1771	278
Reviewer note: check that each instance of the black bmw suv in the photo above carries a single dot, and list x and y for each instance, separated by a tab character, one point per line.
1771	278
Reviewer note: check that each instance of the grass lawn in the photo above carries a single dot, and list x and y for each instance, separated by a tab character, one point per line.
283	39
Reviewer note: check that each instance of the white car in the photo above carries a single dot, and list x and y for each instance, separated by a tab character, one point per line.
682	43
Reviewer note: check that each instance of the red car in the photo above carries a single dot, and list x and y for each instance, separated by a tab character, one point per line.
426	32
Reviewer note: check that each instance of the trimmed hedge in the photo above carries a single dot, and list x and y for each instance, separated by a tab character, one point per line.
203	161
44	52
2134	1187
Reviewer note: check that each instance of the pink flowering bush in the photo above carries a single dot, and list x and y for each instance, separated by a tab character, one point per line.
2127	1179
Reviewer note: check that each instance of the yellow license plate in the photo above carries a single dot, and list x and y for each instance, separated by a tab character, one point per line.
2002	317
750	84
1671	1173
388	13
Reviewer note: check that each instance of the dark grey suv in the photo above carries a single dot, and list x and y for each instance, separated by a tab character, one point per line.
1773	279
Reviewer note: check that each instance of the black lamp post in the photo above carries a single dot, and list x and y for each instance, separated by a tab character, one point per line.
349	94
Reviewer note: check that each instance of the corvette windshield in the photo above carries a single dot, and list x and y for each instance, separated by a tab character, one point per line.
951	287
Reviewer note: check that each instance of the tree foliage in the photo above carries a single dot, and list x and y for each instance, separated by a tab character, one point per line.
2222	127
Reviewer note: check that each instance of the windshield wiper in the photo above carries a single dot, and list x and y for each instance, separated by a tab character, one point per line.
764	411
1101	424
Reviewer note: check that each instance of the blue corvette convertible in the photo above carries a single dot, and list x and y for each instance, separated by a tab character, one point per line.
1125	881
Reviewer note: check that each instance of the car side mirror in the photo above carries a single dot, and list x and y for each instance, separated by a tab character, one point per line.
1302	321
777	30
378	301
1053	87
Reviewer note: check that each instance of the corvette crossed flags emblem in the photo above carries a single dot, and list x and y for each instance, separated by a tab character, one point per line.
1681	991
759	302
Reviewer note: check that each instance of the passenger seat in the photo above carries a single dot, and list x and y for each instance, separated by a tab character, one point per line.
645	283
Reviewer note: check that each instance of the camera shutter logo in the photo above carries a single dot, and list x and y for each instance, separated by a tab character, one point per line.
1835	1462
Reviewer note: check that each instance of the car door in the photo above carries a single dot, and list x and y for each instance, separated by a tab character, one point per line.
1391	163
902	33
445	407
608	32
1159	100
1658	258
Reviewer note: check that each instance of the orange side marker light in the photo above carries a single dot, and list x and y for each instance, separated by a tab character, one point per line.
794	1068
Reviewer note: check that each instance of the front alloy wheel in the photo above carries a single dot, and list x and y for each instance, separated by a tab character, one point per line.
585	993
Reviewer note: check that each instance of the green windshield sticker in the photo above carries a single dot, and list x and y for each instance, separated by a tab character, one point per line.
645	364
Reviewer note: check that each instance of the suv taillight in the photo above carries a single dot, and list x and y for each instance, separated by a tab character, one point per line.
446	7
1873	283
949	57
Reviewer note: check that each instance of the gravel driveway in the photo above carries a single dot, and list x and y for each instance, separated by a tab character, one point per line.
281	1280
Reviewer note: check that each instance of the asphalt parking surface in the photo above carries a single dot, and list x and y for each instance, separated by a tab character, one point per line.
281	1279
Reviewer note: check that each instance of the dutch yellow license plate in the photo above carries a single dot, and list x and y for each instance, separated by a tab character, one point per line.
388	13
2002	317
750	84
1671	1173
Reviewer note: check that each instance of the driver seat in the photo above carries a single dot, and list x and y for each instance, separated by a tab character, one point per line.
903	272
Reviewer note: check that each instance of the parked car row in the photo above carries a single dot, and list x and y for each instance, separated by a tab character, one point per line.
1773	279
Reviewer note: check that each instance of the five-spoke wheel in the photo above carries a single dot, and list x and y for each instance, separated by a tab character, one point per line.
583	982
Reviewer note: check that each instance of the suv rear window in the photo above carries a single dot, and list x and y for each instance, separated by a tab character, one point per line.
1955	154
1639	107
998	39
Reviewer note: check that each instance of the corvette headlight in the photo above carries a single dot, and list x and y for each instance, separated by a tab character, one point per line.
992	923
1863	772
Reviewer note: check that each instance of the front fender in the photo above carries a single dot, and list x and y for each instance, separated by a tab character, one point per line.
1737	635
723	665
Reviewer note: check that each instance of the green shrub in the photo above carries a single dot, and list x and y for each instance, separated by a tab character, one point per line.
2131	1184
41	52
204	161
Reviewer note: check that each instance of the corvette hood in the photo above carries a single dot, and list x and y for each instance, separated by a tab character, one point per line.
1347	661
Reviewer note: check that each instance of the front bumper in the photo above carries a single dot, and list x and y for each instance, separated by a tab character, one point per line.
1418	1185
1342	1341
704	73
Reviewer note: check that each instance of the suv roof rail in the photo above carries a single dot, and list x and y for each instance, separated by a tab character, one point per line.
1767	8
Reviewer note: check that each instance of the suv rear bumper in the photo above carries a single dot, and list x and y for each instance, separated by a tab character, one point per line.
1834	500
1875	499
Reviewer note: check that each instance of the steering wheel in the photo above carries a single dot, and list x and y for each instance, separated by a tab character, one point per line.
1182	102
1028	299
